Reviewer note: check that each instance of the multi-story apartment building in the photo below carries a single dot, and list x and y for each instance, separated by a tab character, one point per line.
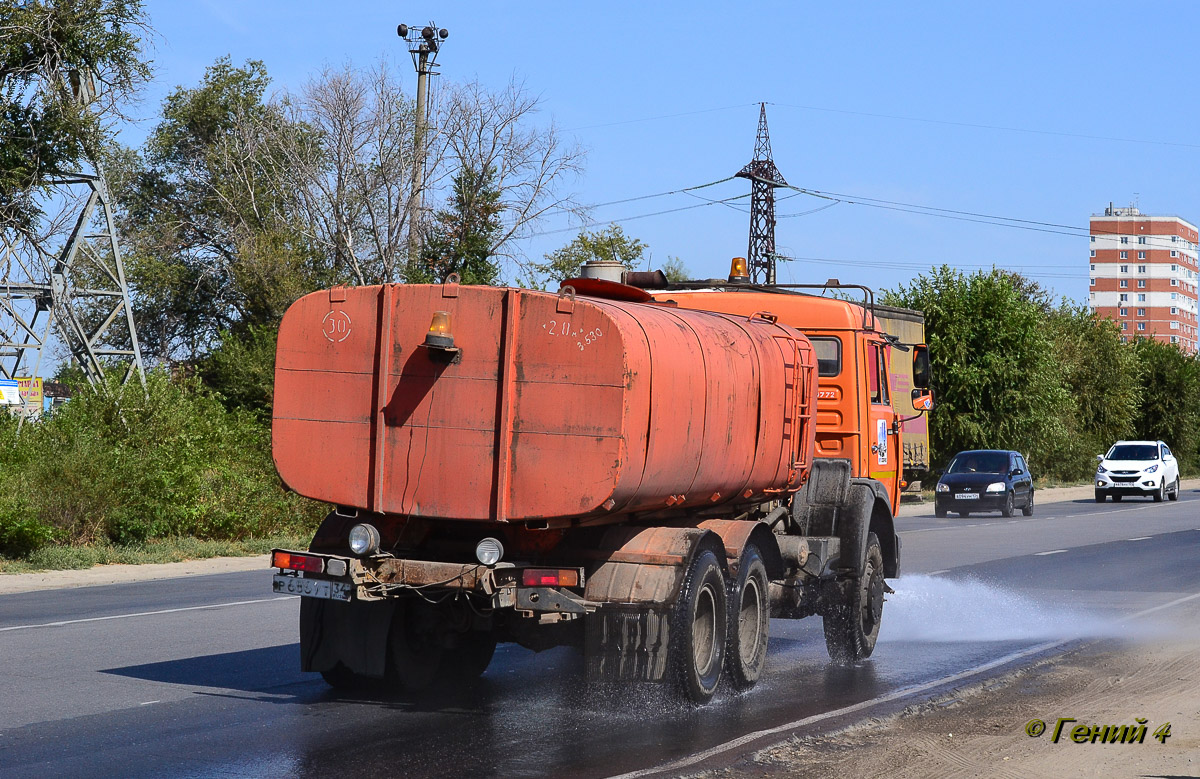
1143	275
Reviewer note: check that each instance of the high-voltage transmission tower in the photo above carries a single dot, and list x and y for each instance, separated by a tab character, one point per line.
67	277
764	179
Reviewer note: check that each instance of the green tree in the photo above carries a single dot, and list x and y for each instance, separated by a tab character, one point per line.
66	67
610	244
1170	390
210	245
995	375
464	232
1102	376
675	270
242	369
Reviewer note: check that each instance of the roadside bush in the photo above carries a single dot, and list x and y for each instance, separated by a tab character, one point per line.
242	369
126	466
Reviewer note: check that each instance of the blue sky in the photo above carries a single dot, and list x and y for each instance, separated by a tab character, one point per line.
1012	110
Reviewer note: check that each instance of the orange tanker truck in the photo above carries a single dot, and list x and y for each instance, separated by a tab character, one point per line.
648	476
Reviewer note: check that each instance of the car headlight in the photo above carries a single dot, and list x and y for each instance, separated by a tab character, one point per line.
943	487
1101	469
996	486
1152	469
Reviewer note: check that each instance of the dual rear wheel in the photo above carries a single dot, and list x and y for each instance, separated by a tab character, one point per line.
719	630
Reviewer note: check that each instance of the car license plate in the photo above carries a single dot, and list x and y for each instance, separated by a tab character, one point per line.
966	496
312	588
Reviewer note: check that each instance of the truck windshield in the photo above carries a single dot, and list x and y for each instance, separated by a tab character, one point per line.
1133	452
979	462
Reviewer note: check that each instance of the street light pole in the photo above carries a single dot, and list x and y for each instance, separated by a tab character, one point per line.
423	45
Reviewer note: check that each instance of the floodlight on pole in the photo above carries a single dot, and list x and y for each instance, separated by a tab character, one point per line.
424	43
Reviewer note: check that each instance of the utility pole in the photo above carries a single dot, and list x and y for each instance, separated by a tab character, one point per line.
764	179
423	45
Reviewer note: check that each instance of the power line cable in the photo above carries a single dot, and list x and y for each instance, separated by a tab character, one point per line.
597	222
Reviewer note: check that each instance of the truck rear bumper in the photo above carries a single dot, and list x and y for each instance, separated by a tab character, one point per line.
380	579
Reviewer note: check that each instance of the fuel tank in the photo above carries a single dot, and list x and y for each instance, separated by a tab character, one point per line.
535	406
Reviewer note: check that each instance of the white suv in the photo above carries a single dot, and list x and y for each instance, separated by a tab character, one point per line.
1137	468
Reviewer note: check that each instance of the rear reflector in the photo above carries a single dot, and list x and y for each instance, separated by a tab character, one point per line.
297	562
550	577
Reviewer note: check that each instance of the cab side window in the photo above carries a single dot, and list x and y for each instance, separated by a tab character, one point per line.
1021	464
877	377
1164	452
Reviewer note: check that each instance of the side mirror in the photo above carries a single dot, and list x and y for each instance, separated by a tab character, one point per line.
1016	472
920	366
1099	457
922	399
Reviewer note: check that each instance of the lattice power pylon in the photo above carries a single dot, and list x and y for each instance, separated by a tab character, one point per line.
73	285
764	179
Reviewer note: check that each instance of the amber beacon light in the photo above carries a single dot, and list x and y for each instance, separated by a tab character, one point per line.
439	335
440	339
737	271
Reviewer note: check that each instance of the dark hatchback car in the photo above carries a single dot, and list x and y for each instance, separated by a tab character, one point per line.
985	480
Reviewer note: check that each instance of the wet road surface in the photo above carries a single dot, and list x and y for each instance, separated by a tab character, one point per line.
198	677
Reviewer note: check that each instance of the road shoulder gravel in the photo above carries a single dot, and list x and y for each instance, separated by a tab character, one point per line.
981	730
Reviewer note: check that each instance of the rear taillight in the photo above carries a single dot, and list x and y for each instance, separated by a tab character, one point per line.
550	577
297	562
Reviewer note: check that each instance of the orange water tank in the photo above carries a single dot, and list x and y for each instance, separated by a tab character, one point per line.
534	406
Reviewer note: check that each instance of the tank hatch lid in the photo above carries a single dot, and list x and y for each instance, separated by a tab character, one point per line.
611	290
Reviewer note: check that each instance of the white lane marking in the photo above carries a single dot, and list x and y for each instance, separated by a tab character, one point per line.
147	703
1140	538
1052	551
935	573
691	760
145	613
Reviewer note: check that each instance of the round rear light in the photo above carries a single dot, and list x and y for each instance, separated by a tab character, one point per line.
364	540
489	551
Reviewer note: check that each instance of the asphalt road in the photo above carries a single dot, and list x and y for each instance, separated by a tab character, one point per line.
198	676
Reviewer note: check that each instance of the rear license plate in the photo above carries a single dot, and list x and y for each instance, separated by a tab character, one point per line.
966	496
312	588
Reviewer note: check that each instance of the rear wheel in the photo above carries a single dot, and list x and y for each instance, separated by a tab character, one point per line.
342	678
472	655
749	621
699	628
1027	509
1099	496
413	659
1007	509
1175	492
964	513
1117	498
851	628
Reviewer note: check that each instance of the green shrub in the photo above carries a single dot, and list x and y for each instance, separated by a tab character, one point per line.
126	466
